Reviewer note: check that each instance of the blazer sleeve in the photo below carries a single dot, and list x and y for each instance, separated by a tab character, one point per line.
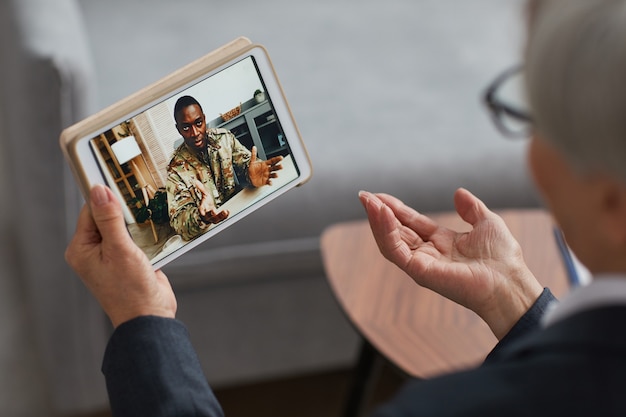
151	369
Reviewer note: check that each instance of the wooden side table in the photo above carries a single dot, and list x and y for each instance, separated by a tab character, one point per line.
421	332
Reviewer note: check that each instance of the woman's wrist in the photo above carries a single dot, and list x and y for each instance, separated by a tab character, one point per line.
512	302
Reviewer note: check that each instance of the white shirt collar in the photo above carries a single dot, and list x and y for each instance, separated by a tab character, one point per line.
603	290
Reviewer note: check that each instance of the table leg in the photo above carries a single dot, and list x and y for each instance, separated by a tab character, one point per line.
364	379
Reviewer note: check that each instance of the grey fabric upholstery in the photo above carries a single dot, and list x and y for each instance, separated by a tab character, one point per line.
45	78
386	96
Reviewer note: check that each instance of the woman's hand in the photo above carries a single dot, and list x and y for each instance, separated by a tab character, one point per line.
483	269
112	267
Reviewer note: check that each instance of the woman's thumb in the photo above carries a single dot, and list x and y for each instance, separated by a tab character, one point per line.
107	214
470	208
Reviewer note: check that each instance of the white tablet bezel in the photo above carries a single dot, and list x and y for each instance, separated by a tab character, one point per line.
75	141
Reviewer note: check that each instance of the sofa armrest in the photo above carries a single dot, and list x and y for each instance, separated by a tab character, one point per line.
45	85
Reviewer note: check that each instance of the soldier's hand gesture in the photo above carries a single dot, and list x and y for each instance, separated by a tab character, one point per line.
208	211
261	172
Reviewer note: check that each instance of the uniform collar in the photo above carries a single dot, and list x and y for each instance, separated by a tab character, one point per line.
212	138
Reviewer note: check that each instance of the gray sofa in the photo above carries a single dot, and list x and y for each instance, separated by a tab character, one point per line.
386	95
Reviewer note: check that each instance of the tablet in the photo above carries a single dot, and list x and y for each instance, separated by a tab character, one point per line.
195	152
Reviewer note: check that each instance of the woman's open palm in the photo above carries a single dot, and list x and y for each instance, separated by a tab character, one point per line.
482	269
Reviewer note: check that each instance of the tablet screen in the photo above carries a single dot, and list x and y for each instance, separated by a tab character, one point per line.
183	167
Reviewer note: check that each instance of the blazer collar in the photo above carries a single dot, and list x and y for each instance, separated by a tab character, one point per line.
604	290
602	330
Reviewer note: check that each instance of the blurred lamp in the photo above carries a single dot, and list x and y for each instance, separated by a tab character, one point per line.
126	149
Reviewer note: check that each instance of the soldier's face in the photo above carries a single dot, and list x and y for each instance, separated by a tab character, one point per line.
191	124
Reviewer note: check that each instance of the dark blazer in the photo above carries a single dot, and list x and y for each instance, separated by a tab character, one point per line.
576	367
152	370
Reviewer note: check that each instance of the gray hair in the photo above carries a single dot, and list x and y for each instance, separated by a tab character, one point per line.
575	70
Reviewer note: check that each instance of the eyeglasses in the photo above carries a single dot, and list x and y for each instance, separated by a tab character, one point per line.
506	101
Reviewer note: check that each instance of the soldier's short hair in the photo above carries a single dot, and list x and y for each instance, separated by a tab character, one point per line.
183	102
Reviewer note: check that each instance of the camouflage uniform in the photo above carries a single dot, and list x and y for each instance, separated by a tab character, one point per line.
215	170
